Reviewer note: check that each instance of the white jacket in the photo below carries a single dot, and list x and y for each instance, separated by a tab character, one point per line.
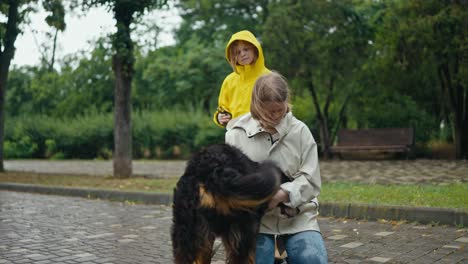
295	152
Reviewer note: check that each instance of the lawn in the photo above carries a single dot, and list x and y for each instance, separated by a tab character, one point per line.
444	195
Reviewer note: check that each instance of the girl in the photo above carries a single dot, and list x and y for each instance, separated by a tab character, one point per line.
244	54
270	131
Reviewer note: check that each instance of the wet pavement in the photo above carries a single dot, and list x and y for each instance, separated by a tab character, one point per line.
44	229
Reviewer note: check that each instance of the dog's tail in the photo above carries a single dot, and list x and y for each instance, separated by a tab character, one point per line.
244	190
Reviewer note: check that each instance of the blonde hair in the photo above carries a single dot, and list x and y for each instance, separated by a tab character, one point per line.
269	88
233	53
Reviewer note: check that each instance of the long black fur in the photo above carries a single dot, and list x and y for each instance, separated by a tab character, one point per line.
209	202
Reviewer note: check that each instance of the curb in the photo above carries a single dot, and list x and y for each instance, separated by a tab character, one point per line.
147	198
423	215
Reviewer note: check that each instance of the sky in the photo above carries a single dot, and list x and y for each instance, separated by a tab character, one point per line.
80	30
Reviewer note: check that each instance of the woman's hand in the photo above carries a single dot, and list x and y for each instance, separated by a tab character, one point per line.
280	196
223	118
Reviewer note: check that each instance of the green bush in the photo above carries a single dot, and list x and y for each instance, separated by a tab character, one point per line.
24	147
62	138
395	111
160	133
303	108
166	134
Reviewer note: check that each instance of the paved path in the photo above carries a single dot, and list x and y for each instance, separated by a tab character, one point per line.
54	229
385	171
43	229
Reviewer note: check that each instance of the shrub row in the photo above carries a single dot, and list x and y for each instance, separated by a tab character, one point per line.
167	134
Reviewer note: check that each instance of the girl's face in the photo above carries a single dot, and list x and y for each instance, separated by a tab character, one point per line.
275	111
245	53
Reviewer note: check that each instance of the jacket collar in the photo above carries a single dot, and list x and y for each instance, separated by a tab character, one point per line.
252	127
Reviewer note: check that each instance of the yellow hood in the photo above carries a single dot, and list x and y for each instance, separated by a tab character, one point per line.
246	35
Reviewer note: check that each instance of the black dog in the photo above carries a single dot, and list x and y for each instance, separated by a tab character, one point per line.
221	194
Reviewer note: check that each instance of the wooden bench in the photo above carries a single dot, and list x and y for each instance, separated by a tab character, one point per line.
382	140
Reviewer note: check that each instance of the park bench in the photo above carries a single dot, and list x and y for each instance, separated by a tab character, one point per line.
374	140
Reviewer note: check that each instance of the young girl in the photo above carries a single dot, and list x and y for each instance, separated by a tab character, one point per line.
245	55
270	131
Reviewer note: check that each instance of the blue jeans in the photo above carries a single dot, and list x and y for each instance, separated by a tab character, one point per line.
302	248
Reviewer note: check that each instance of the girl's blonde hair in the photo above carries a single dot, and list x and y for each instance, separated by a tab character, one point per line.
269	88
233	53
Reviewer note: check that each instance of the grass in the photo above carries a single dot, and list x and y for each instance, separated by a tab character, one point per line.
98	182
452	195
444	196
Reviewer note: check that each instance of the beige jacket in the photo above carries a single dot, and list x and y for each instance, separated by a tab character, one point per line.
296	153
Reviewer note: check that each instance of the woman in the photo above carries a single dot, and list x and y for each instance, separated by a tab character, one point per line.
270	131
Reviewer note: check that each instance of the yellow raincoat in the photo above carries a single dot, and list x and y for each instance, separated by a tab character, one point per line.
236	90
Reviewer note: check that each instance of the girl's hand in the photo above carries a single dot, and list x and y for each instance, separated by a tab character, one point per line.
223	118
280	196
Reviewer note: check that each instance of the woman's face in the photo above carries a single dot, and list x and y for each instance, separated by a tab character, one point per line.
276	111
245	53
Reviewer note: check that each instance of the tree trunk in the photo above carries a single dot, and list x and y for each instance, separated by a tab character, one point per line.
458	104
323	121
122	156
122	63
54	47
6	55
460	128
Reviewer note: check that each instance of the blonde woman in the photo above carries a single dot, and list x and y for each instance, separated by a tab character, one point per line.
271	132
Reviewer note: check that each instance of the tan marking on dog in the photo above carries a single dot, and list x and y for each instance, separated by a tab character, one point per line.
224	205
206	199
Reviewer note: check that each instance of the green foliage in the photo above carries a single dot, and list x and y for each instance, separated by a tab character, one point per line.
165	134
405	112
76	90
213	22
73	138
302	107
423	43
56	18
185	76
327	44
387	62
22	147
161	132
87	87
19	95
208	133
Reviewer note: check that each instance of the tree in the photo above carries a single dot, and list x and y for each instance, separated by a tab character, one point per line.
57	22
16	12
326	45
88	86
124	12
8	33
186	75
424	43
213	21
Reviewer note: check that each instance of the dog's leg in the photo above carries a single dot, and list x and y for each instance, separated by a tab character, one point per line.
204	247
200	251
240	243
